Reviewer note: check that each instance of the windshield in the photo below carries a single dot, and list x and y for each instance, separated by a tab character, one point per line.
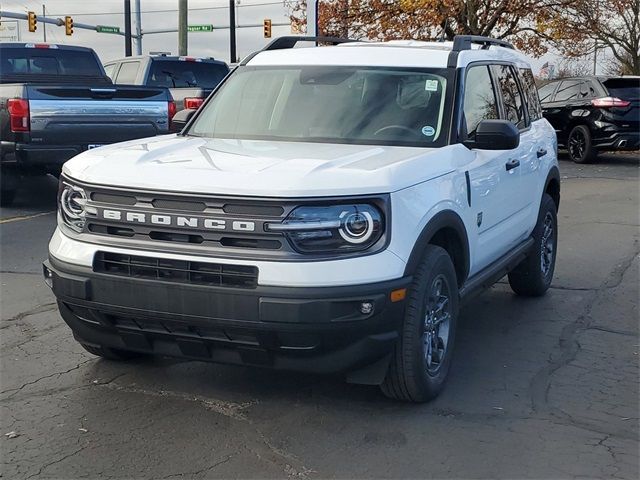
358	105
177	73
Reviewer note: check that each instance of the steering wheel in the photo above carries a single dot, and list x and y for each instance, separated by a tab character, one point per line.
397	127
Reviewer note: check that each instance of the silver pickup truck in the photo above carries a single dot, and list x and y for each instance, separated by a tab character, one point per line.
56	102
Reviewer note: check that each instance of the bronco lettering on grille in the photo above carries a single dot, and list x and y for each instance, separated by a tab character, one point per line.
179	221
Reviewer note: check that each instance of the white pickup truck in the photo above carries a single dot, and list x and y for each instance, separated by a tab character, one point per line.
327	210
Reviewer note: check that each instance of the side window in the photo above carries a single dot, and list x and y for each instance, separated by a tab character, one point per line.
546	91
533	103
514	107
110	70
569	90
479	98
128	73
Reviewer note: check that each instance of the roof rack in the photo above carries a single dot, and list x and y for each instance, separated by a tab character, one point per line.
464	42
290	41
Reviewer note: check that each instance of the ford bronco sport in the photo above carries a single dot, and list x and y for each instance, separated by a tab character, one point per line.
327	210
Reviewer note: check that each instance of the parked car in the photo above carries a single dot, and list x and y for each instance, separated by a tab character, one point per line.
189	79
56	101
593	114
327	210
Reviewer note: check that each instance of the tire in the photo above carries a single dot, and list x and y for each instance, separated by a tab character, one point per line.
410	376
580	146
532	277
8	187
111	353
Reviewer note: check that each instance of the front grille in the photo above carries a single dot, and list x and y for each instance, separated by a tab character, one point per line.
178	271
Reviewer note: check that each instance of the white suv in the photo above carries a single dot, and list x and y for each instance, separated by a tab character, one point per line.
327	210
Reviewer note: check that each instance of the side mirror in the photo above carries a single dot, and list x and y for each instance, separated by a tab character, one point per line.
181	118
495	135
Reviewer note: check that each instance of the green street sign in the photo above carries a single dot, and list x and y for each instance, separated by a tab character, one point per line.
200	28
107	29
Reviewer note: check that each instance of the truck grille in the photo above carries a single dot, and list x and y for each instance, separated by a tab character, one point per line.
178	271
188	223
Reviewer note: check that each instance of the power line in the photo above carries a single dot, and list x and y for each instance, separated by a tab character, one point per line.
242	5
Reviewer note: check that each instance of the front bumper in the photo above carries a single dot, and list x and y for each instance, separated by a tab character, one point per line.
310	329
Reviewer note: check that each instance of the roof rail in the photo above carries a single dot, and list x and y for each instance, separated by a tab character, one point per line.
464	42
290	41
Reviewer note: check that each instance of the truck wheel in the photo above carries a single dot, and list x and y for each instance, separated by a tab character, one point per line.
579	145
8	187
422	356
110	353
532	277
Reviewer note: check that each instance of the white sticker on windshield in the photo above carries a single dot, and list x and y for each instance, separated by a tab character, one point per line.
428	131
431	85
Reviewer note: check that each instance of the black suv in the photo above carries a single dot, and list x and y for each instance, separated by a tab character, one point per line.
592	114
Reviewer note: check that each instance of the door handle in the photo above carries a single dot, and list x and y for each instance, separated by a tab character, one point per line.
541	152
511	164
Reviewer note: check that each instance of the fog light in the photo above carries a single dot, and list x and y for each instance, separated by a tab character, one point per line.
48	276
366	308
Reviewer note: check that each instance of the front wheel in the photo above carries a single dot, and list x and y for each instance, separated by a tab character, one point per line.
422	356
532	277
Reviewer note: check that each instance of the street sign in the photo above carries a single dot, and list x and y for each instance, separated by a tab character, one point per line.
107	29
200	28
9	31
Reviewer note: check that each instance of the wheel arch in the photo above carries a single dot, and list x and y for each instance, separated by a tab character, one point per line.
446	229
552	185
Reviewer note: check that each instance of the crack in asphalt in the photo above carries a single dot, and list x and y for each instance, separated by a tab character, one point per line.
33	382
198	472
569	347
42	308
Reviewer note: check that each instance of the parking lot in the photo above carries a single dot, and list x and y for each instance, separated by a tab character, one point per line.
539	388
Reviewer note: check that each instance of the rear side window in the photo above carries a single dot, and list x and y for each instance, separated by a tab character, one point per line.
514	109
110	70
479	98
128	73
531	94
546	91
569	90
50	61
623	88
177	73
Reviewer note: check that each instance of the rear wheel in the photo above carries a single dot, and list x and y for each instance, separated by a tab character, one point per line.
579	145
532	277
422	356
111	353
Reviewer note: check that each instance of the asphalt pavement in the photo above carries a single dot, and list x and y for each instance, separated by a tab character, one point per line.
539	388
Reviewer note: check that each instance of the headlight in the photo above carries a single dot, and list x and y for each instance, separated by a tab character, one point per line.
335	228
72	202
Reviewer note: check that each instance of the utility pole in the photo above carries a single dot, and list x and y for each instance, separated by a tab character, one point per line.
138	28
44	25
232	31
183	10
312	18
595	57
127	28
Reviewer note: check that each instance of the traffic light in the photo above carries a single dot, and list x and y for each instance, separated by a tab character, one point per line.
68	25
33	22
267	27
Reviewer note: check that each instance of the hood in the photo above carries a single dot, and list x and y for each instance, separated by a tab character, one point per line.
255	168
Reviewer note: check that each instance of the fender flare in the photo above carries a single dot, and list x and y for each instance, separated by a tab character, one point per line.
554	174
443	219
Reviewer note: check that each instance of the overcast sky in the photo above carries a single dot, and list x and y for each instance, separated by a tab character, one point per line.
216	12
